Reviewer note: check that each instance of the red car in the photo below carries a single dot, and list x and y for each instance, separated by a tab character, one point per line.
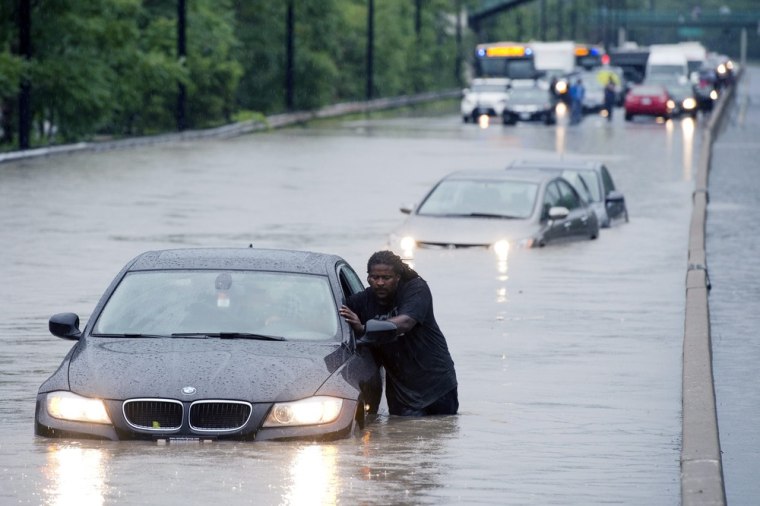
648	100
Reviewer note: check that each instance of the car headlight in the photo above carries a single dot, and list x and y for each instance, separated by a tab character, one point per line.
311	411
501	248
73	407
714	95
689	103
671	105
407	245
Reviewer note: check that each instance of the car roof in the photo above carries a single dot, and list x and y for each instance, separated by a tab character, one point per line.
278	260
526	175
556	164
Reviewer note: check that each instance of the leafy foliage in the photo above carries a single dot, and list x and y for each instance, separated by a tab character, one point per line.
111	67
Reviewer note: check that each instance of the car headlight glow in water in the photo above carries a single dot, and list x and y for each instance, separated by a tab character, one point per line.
70	406
311	411
407	245
501	248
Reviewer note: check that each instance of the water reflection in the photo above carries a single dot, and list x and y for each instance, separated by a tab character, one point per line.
404	458
560	133
313	476
76	476
688	126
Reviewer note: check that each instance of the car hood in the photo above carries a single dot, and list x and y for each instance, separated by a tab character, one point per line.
243	369
463	231
487	97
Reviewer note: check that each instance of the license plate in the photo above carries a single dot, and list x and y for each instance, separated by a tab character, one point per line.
182	440
524	115
646	101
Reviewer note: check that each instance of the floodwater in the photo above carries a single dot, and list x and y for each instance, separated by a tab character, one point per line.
568	357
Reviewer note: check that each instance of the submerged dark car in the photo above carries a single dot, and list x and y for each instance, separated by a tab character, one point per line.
592	179
204	344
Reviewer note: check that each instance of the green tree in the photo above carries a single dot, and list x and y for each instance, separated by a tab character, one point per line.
260	28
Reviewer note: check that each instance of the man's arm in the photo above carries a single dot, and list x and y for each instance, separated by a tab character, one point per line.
352	319
404	323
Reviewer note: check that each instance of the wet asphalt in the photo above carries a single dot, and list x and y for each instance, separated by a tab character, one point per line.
570	375
733	262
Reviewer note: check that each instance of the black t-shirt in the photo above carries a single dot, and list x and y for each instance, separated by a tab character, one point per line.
418	365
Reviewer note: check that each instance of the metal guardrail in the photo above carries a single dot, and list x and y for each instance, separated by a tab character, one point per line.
235	129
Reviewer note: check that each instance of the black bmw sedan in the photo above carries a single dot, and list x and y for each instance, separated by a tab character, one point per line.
209	343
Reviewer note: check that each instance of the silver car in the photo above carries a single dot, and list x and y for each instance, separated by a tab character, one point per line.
486	96
592	179
495	209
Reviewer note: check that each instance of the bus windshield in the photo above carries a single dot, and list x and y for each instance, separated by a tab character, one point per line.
512	68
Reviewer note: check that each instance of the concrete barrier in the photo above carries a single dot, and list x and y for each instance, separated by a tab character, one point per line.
701	465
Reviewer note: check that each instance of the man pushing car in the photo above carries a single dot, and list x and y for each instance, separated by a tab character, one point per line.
419	372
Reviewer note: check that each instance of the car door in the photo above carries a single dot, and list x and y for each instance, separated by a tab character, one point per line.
613	200
577	222
555	229
362	366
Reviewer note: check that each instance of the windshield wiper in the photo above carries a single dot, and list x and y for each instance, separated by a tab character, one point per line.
246	335
131	334
491	215
229	335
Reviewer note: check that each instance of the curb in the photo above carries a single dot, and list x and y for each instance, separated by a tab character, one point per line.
701	464
235	129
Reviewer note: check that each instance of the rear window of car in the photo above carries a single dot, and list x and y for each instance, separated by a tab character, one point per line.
289	305
646	91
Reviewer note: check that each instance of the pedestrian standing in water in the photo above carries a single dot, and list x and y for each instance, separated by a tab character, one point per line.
419	372
609	98
577	92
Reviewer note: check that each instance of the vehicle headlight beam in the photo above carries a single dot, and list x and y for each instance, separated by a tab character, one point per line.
311	411
75	408
501	248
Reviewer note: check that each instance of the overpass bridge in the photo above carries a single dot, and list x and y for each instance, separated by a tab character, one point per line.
695	18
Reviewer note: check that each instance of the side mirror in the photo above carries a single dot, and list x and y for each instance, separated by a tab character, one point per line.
558	213
615	197
65	326
378	332
406	208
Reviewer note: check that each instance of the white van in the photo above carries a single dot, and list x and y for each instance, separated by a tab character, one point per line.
667	62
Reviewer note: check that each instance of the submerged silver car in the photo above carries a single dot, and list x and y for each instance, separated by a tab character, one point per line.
592	179
495	209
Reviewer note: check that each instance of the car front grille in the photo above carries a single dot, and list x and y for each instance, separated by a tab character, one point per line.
163	415
219	415
153	414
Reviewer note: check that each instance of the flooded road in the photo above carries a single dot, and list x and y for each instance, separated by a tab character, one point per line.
568	358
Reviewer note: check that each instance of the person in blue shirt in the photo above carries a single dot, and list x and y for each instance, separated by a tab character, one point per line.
577	91
419	372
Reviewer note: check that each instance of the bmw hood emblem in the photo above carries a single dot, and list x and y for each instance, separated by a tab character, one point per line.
188	390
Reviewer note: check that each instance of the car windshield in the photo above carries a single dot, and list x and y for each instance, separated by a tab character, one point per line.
236	304
498	198
529	95
647	91
489	88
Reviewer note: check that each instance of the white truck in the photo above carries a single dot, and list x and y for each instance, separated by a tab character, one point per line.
556	62
667	62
